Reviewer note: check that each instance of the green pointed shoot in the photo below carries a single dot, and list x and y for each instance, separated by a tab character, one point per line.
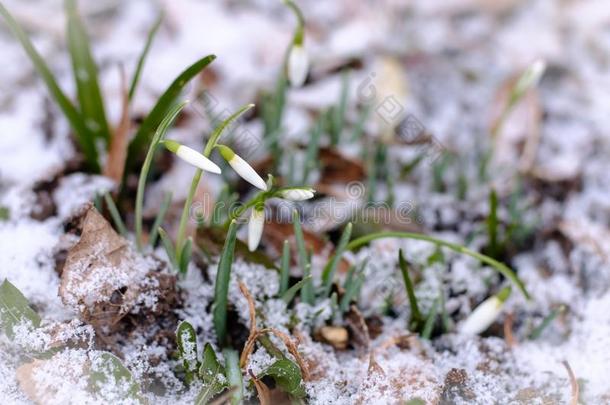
186	340
285	268
492	224
234	375
307	293
85	75
169	247
430	320
161	131
416	317
328	274
149	40
212	374
546	322
115	215
185	256
83	136
496	265
289	295
351	291
221	291
161	109
167	200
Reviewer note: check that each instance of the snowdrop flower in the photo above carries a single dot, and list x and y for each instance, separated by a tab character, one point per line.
298	65
255	227
529	78
242	167
485	314
191	156
297	194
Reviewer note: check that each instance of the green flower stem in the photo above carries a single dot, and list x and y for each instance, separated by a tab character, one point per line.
207	151
159	134
299	33
500	267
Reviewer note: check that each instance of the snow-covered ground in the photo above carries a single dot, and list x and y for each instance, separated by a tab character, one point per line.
445	62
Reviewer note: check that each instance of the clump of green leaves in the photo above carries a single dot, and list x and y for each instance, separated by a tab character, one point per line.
87	117
205	369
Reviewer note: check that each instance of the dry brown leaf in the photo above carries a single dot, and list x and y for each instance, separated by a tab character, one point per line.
104	278
337	168
117	153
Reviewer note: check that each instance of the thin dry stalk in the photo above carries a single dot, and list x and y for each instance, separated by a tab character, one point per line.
573	383
255	333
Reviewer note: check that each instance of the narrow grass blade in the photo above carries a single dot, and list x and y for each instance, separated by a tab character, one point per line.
430	320
223	276
163	106
185	256
169	248
149	40
83	136
328	274
500	267
546	322
416	317
339	113
492	223
234	375
85	75
358	130
114	213
351	292
311	156
167	200
161	130
307	294
285	268
288	296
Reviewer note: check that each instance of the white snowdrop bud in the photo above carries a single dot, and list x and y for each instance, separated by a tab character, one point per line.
191	156
485	314
242	167
255	227
530	77
298	65
297	194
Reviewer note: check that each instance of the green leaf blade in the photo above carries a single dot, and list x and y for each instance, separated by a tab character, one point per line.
15	309
186	339
84	137
85	75
161	108
223	276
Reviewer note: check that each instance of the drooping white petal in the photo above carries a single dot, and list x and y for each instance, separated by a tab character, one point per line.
197	159
298	65
482	317
255	228
247	172
298	194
